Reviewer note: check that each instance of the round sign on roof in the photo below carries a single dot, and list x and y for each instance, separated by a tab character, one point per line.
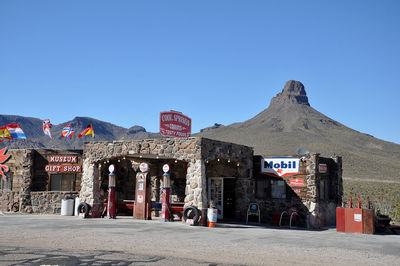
165	168
144	167
111	168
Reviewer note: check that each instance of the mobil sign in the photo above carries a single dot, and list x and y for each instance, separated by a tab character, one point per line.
175	124
280	166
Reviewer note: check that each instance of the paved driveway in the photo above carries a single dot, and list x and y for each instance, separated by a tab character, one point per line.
46	239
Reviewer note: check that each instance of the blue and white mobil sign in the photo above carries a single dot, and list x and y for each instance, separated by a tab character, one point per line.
280	166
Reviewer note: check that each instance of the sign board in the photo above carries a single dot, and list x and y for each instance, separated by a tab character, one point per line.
280	166
296	182
357	217
76	168
297	191
175	124
254	209
63	159
322	168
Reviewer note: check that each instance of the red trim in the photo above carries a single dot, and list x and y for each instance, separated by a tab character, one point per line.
288	174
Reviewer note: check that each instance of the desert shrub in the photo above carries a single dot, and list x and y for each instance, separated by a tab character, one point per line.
384	196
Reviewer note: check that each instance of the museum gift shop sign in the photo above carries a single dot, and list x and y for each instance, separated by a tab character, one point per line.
63	164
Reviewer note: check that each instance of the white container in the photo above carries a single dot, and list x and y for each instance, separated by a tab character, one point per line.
77	201
212	217
67	207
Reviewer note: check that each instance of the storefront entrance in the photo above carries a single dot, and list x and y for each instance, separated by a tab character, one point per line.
221	191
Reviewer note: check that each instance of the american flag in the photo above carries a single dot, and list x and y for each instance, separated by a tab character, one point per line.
67	132
46	127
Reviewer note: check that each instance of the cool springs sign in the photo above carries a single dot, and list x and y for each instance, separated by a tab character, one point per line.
175	124
280	166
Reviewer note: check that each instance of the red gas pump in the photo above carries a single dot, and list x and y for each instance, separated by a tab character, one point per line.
111	206
165	209
142	207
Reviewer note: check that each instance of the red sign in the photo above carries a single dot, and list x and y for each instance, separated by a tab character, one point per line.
63	168
296	182
63	159
175	124
322	168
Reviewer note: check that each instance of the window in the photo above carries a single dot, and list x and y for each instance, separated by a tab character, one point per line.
278	189
324	189
6	185
262	188
60	182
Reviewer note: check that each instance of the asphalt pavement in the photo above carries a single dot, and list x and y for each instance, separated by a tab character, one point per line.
69	240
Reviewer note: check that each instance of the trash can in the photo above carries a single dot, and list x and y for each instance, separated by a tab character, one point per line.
77	201
67	207
212	217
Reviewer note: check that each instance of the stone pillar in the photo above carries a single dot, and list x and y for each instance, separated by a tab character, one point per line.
25	193
339	180
196	184
312	190
90	187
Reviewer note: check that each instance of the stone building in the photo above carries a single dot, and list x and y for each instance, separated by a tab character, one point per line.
202	171
313	191
194	163
31	186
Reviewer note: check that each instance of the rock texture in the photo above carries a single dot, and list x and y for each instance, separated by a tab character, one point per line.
292	93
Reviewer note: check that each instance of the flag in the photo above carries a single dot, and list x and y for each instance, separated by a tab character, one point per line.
4	133
89	130
46	127
67	132
16	131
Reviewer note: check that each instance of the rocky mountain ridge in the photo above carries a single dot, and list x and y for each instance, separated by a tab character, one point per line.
290	123
32	128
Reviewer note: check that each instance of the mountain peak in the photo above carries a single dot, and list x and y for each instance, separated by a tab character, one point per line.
292	93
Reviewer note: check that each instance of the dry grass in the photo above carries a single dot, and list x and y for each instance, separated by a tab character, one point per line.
384	196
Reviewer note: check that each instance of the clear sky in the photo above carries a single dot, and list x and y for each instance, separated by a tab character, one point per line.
216	61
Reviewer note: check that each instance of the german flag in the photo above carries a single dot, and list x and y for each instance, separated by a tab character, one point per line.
89	130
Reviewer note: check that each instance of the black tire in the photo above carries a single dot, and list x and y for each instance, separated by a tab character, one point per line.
191	212
83	207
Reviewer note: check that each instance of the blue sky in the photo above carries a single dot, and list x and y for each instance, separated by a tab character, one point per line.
215	61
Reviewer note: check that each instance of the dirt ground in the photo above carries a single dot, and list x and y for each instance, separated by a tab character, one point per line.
51	239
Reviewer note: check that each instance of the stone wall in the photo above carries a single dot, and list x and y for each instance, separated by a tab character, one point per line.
9	201
196	152
49	202
26	168
312	211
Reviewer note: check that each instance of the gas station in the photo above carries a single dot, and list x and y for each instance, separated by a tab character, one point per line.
175	178
146	173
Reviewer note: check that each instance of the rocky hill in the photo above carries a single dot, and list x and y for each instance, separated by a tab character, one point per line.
32	128
290	123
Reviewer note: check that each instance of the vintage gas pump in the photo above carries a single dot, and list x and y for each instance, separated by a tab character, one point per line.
165	213
111	206
142	208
